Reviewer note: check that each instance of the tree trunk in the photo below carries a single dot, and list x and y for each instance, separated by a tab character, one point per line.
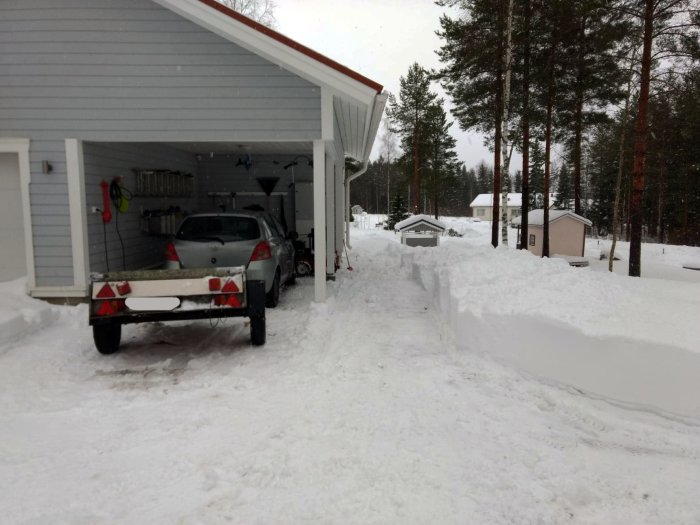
416	175
640	146
578	120
525	197
548	147
499	124
504	138
620	170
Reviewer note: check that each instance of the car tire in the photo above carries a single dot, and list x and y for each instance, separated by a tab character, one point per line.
272	298
107	337
257	331
303	269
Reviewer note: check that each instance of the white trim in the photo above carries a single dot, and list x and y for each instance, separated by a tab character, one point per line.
281	54
20	146
75	170
58	291
319	221
330	219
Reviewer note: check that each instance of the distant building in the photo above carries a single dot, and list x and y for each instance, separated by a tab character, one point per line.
567	232
482	206
420	230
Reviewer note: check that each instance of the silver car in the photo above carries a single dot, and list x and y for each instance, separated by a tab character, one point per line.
256	240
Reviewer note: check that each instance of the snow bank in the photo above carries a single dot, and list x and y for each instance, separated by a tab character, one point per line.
20	314
630	340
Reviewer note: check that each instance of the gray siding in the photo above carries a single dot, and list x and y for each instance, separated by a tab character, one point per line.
132	70
104	161
129	71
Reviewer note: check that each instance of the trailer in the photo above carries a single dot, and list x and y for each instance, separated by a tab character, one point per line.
129	297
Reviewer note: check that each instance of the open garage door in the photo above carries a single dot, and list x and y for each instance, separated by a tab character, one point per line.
13	262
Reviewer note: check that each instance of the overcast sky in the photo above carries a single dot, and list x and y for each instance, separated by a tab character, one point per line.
377	38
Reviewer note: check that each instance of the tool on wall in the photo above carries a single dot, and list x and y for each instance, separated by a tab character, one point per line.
115	194
106	213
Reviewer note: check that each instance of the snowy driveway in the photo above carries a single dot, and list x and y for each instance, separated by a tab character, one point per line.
362	410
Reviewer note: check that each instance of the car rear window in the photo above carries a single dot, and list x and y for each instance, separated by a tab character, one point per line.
227	229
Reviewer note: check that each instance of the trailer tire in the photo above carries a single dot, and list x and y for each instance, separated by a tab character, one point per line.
257	331
107	337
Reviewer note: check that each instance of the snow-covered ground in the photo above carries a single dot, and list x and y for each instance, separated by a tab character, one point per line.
458	384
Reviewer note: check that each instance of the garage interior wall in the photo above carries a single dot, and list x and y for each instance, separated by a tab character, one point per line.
219	173
105	161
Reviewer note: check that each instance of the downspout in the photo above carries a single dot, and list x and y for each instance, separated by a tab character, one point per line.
375	117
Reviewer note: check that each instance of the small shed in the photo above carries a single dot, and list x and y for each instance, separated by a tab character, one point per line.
567	232
420	230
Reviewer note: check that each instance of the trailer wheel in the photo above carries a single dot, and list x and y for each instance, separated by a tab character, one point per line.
107	337
257	331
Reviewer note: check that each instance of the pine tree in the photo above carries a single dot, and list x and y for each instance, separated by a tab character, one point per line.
408	117
441	159
563	199
399	212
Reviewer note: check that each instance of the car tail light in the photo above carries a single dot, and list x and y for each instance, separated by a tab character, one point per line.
214	284
170	253
261	252
124	288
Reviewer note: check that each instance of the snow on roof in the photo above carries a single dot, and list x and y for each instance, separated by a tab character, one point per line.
515	200
417	219
536	217
486	199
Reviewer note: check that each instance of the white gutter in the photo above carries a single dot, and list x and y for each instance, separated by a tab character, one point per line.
375	120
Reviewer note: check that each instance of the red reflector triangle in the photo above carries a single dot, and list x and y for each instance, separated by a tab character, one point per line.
105	308
105	292
233	301
230	287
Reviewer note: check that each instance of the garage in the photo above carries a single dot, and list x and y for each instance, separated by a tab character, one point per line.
153	186
150	110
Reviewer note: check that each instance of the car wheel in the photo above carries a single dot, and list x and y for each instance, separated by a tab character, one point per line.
303	269
257	331
272	298
107	337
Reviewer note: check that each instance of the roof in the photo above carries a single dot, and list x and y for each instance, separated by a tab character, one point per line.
486	199
182	5
352	105
414	220
279	37
536	217
515	200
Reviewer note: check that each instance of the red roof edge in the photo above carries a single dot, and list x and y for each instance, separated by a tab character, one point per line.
293	44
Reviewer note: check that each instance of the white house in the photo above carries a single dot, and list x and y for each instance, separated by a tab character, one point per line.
191	106
482	205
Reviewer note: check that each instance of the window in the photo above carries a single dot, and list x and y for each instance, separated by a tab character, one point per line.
223	228
532	240
480	212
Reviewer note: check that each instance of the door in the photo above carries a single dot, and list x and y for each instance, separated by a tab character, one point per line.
13	263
